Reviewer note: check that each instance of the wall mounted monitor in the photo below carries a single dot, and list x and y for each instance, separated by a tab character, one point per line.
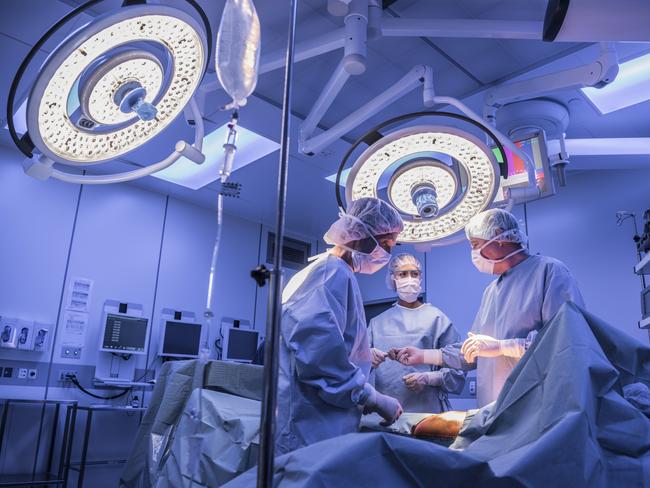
240	345
180	339
124	334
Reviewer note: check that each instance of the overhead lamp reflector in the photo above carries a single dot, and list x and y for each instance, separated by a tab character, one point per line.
250	148
132	72
457	204
631	86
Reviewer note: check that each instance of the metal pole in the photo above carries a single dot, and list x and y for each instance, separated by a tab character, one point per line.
267	427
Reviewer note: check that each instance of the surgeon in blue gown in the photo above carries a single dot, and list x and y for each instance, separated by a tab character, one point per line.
324	351
528	291
419	388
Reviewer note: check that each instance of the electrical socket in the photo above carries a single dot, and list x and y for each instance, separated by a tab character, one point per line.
65	373
472	387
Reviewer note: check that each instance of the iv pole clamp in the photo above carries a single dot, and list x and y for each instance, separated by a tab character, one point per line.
270	392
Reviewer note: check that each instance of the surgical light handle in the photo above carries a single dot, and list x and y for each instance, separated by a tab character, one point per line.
192	152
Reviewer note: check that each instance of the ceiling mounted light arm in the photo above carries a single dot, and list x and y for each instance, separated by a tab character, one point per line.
43	169
416	77
597	74
333	87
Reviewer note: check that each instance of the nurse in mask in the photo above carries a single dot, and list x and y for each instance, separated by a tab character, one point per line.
419	388
325	356
527	292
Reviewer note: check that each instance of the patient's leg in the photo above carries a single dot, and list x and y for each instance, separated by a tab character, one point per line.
446	424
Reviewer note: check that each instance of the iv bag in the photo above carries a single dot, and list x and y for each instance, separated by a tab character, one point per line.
238	49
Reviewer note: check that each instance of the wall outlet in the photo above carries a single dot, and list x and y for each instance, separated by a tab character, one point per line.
22	373
64	374
472	387
32	374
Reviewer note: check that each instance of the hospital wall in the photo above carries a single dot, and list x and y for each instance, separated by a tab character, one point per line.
136	246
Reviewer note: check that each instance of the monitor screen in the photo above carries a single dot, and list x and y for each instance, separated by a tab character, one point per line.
535	147
242	345
125	334
645	303
181	339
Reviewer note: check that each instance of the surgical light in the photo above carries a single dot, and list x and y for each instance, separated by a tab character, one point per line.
111	87
630	87
435	199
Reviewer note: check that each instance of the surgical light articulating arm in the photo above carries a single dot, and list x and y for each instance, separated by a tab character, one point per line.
419	75
599	73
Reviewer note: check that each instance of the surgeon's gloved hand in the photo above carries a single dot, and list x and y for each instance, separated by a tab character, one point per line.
412	355
386	406
378	357
479	345
417	381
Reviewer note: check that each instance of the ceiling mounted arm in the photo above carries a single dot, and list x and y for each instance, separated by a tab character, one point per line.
598	73
419	75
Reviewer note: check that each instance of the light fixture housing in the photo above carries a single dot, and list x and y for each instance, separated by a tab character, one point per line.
630	87
90	54
110	87
461	194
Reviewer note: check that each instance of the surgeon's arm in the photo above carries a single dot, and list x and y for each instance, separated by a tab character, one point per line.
452	380
559	287
314	335
449	356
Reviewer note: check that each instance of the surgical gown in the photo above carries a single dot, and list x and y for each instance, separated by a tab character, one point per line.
324	355
515	305
425	327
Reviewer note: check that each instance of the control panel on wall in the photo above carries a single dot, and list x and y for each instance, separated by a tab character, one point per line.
24	335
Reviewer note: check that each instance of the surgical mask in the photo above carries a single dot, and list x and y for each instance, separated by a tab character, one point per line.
408	289
369	263
485	265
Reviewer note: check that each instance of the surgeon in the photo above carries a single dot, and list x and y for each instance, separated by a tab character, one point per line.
527	292
325	355
419	388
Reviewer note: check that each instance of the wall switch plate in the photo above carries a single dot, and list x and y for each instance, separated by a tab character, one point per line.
71	352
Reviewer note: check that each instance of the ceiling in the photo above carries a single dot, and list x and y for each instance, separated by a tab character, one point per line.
463	68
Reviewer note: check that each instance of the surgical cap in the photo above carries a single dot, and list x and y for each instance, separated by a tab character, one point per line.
397	263
494	223
377	216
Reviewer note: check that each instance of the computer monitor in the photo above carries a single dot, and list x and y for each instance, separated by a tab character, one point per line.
124	334
240	345
645	303
533	144
181	339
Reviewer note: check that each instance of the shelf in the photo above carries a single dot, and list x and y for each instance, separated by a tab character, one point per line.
29	480
122	384
645	323
111	408
644	265
76	466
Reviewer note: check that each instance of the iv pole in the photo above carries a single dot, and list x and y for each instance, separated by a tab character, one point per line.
269	400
